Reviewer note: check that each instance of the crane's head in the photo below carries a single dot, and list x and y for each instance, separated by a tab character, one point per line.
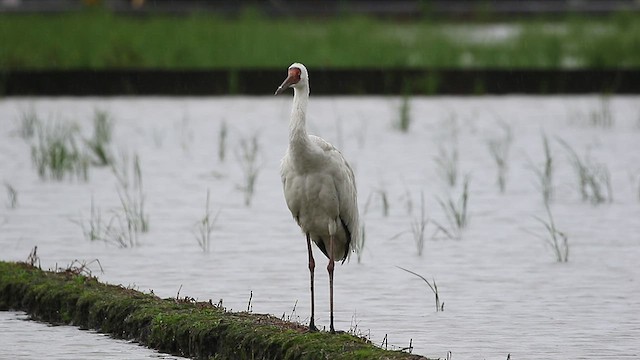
297	77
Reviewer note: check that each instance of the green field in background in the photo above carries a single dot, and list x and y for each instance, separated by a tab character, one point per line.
99	39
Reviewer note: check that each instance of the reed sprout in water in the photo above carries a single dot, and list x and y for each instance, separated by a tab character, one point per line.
456	212
222	141
98	144
12	196
56	152
433	286
204	226
248	157
129	219
594	180
404	113
447	162
29	122
381	194
94	229
132	197
557	240
419	226
602	116
544	174
499	148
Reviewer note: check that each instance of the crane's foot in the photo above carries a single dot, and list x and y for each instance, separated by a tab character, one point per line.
312	327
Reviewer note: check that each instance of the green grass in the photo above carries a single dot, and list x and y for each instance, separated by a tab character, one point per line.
99	39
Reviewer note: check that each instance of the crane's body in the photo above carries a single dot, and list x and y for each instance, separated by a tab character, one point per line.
319	186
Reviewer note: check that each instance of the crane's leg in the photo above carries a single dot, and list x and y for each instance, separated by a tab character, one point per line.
312	265
330	270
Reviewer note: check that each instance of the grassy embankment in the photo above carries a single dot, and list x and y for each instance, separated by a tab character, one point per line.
98	40
178	326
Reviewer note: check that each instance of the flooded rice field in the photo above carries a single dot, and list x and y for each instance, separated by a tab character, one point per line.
24	339
505	286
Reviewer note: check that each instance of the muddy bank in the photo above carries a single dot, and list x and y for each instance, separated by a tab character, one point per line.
184	327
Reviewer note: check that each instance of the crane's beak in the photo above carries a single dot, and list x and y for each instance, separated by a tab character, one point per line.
285	84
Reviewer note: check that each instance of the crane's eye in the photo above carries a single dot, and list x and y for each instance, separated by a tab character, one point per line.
294	74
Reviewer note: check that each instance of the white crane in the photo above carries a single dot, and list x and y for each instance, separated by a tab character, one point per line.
319	187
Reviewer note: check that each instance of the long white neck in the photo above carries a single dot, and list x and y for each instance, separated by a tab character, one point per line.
298	138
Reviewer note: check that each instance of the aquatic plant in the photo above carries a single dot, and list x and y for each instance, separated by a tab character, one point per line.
130	219
602	116
447	163
56	152
456	212
248	159
94	229
557	240
222	141
594	180
433	287
204	226
499	150
384	201
98	144
544	175
119	232
12	196
403	121
419	226
29	122
184	130
132	199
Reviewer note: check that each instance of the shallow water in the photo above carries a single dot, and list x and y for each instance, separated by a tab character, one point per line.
502	289
25	339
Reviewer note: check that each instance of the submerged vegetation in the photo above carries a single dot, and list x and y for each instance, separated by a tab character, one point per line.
57	152
98	144
499	149
544	174
127	221
59	149
594	179
404	114
213	41
432	285
204	226
456	212
248	159
180	326
557	240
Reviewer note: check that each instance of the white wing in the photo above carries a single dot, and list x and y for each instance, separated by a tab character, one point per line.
345	183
